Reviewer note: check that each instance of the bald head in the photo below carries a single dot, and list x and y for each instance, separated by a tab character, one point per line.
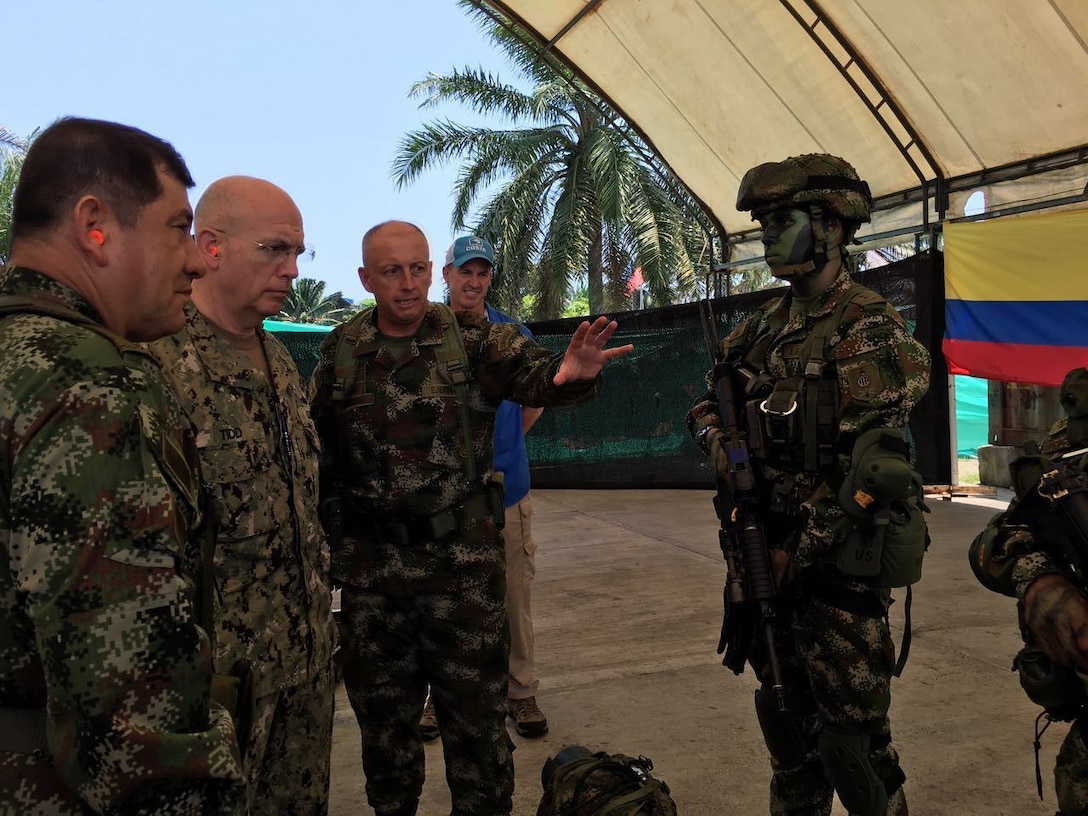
391	228
397	271
230	203
249	233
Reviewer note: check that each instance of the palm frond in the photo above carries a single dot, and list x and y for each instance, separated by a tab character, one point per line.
481	91
9	141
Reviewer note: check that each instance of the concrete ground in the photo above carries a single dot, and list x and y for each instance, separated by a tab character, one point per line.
627	608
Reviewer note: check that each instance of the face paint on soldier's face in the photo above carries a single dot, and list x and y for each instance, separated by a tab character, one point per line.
787	239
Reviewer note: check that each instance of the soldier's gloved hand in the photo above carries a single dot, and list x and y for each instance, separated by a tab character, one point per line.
715	448
1056	612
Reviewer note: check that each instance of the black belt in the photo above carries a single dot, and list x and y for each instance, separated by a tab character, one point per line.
865	603
22	730
421	529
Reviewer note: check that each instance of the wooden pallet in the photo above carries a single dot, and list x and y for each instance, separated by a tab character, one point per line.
947	492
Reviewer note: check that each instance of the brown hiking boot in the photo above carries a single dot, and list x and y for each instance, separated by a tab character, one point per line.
428	723
529	720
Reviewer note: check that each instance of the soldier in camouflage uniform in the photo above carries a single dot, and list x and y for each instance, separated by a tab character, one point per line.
421	556
258	449
1023	553
105	674
812	371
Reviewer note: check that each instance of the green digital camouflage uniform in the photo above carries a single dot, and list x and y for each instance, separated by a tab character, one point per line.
258	449
836	663
1018	559
98	496
422	609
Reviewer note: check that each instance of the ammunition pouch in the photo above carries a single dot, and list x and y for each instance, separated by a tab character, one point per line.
795	426
781	418
1058	689
234	691
495	492
885	497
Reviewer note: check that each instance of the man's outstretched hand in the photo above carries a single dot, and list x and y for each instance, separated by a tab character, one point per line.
586	354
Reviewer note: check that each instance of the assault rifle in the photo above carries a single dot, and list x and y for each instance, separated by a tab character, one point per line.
749	589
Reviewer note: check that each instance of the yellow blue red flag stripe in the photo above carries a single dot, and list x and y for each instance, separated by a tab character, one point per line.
1016	297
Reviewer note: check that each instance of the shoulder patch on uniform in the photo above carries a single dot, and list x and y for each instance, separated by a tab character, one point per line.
862	381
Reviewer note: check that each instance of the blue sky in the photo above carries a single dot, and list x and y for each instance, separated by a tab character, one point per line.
311	96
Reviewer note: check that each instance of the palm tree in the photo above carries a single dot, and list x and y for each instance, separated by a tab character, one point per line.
9	141
308	303
579	196
12	150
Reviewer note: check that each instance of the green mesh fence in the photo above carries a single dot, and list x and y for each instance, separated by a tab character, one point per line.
633	434
303	341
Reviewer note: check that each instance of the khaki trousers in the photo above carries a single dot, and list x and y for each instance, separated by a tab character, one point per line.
520	571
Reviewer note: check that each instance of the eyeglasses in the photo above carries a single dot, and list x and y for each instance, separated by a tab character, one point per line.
280	252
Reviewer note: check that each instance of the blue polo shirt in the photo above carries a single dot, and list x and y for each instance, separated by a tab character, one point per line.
510	457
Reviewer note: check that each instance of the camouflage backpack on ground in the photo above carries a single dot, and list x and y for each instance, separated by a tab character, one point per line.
579	783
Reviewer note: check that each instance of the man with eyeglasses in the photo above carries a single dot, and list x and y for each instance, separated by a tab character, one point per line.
258	449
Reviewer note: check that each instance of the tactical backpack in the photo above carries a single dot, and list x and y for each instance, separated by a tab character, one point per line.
579	783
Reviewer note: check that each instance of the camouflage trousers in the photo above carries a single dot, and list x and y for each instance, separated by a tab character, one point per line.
1071	772
458	642
837	669
289	752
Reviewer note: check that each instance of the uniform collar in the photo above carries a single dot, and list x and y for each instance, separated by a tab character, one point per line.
20	280
429	332
221	360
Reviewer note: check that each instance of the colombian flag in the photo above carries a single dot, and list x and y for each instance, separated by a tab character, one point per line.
1016	297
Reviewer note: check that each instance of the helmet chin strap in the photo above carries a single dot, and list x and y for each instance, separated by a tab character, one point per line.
819	255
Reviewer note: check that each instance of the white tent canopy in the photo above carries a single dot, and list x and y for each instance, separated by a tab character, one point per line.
926	98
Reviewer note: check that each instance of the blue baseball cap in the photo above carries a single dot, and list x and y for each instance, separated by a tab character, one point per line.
467	247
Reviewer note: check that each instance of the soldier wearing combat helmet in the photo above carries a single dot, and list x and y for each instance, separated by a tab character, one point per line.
823	379
1035	551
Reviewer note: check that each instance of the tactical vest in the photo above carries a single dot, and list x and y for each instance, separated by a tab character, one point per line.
453	367
793	423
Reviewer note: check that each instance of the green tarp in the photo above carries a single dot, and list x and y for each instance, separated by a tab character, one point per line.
972	415
277	326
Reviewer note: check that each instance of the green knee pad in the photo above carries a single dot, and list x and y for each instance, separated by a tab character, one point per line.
845	757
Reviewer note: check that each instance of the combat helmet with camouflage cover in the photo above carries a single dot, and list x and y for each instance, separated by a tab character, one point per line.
812	179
